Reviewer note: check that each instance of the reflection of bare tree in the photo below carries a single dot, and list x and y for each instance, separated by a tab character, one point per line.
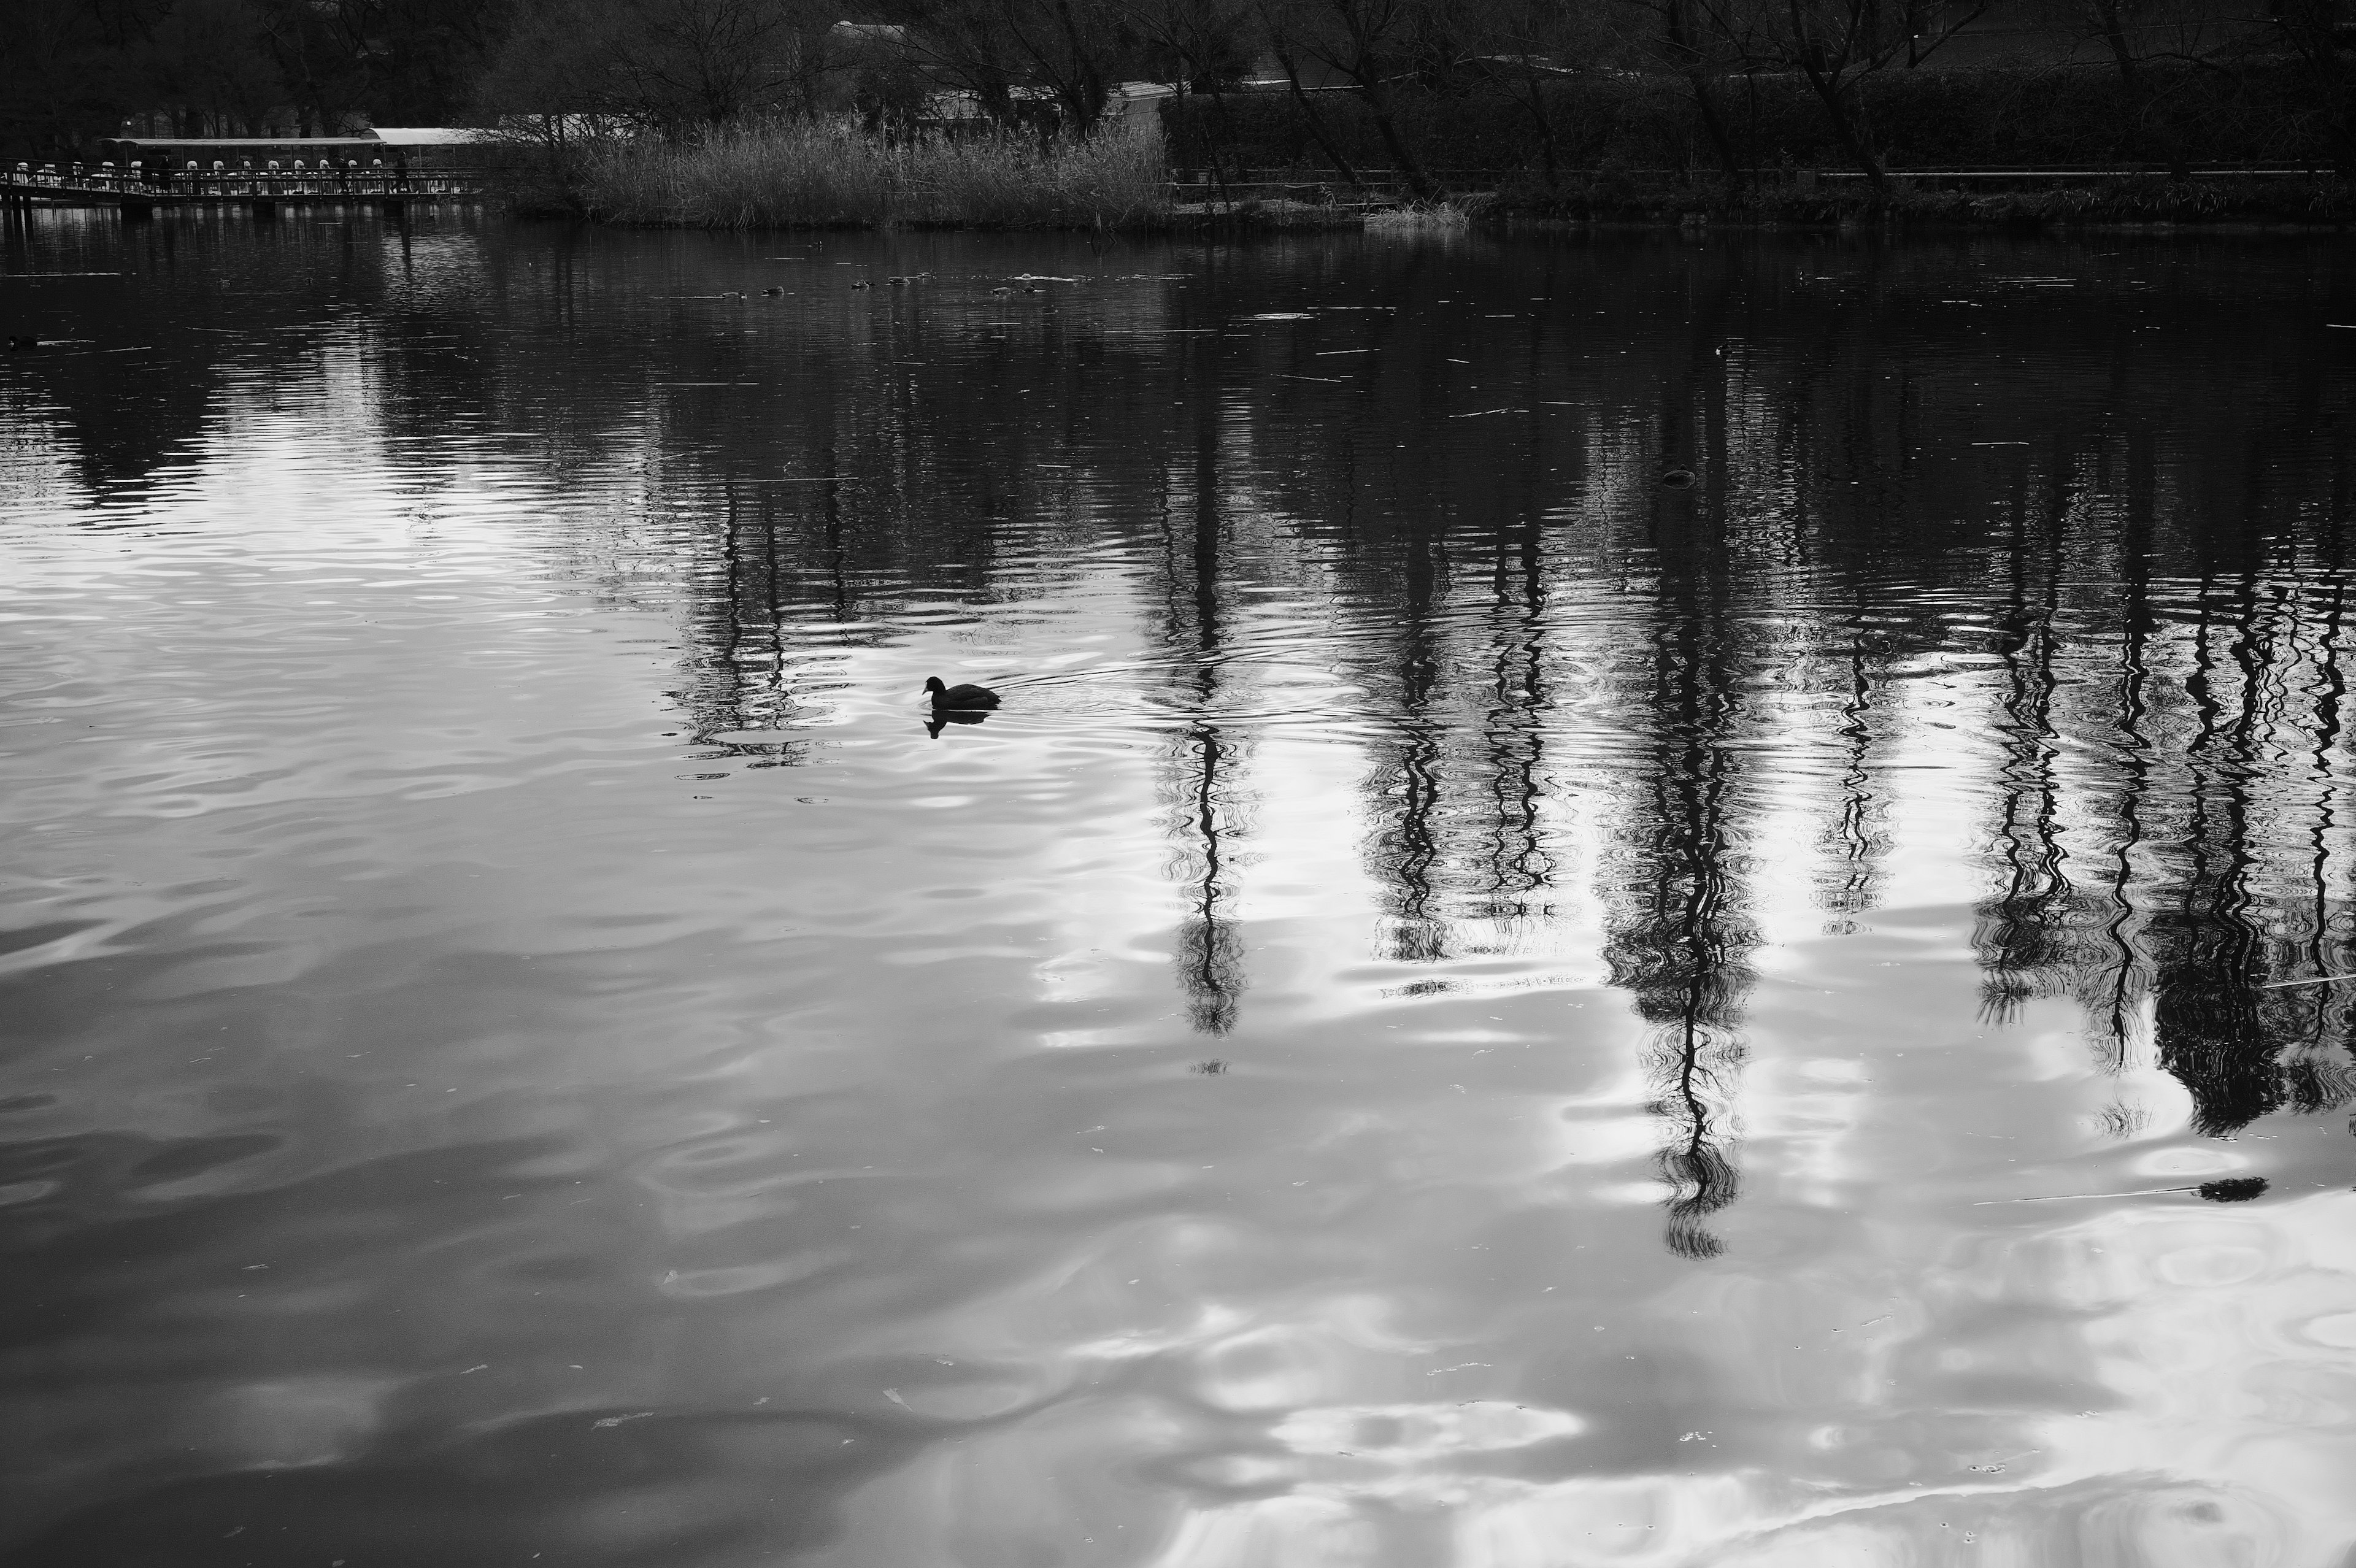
1514	732
1407	778
2021	935
1210	959
1858	835
1677	928
2212	885
2209	959
2162	674
2119	981
734	663
2318	1078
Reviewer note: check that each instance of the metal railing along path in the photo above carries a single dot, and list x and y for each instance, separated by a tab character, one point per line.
144	183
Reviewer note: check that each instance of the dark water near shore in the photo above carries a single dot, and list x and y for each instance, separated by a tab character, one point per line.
1473	1008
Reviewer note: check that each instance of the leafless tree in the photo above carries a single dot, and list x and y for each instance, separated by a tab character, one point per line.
1369	44
672	66
1076	49
1838	46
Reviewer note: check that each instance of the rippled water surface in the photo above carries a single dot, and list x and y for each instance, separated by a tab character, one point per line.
1473	1008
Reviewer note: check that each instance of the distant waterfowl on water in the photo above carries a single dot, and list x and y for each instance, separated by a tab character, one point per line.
16	344
968	695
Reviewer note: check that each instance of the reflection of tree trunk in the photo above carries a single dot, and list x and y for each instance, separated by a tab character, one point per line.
2137	629
1859	843
2326	1025
1417	936
831	495
1209	951
2210	1035
2023	948
1515	738
1678	927
1210	956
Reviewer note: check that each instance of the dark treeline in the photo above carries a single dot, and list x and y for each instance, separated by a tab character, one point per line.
1763	125
76	70
1415	88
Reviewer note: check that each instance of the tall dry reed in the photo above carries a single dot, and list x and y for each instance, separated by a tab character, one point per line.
809	175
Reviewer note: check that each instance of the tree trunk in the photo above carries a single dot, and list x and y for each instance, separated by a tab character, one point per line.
2312	29
1417	179
1714	122
1831	91
1682	47
1846	130
2141	98
1084	97
1226	134
1309	117
1546	137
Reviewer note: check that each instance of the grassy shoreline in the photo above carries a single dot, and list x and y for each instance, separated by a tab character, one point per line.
2319	203
832	175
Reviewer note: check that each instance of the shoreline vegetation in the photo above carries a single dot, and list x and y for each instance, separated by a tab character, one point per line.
2126	202
833	174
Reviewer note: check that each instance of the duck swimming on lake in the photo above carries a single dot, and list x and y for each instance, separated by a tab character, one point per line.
965	697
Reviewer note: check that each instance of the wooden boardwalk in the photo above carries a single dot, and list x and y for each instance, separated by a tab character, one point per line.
137	189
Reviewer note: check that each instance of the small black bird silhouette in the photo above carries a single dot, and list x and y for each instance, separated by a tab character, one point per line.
16	344
966	696
773	289
862	284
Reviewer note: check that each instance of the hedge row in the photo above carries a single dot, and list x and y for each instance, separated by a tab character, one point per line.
2264	111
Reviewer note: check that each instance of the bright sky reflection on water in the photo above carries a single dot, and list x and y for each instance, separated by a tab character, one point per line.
1471	1009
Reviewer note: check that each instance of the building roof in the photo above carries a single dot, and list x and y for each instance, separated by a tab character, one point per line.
432	135
378	139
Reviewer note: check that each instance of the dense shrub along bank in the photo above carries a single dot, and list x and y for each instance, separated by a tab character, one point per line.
2300	201
830	175
2075	115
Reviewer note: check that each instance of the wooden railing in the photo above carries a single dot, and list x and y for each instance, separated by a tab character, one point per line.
1197	183
163	181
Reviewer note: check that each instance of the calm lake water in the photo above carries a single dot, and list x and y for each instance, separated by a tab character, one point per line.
1472	1010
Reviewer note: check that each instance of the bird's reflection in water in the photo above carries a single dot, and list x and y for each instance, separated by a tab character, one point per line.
941	718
